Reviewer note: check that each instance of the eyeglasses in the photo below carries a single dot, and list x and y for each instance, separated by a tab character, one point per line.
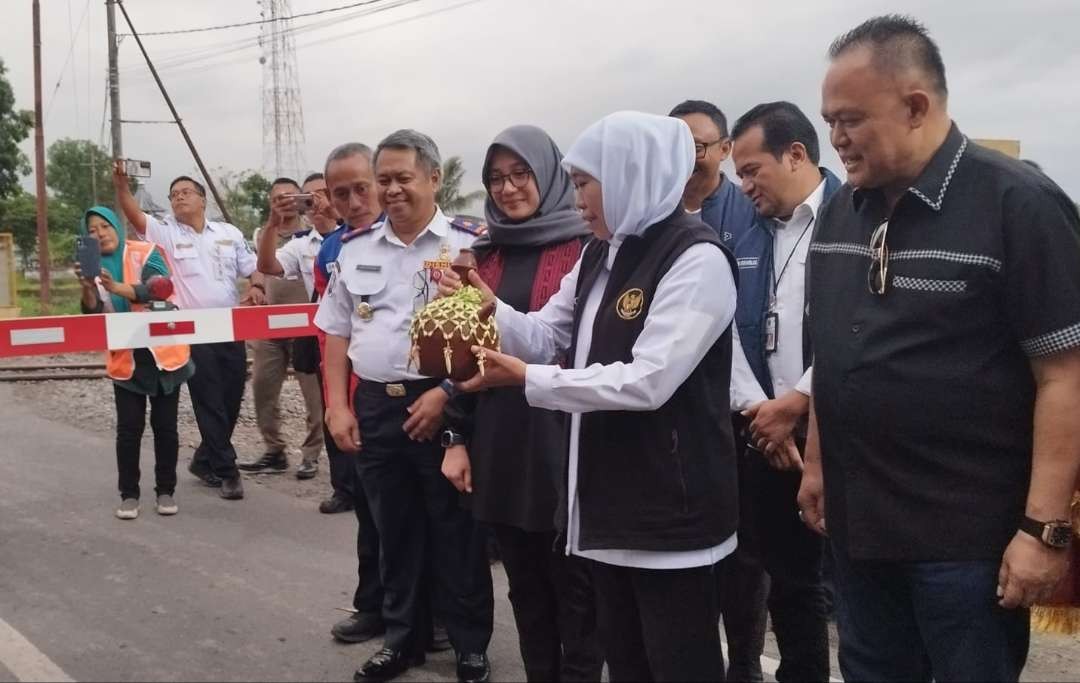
518	178
702	148
878	276
180	194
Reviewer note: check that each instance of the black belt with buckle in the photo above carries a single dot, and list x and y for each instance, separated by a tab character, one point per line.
398	389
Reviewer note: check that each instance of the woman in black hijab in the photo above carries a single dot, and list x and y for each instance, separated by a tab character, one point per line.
509	456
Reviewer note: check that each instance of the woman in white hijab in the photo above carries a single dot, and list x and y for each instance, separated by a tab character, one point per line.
642	325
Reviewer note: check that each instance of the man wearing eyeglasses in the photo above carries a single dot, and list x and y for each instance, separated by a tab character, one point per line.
382	277
207	258
776	156
945	312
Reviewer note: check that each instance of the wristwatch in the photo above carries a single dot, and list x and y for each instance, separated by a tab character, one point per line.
451	438
1055	533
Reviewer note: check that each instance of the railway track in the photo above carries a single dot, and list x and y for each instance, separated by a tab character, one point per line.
52	371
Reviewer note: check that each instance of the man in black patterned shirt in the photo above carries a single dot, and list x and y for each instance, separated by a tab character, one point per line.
945	317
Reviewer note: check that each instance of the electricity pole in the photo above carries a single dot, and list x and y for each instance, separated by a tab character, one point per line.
39	167
114	80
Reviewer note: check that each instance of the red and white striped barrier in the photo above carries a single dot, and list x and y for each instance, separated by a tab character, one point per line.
114	331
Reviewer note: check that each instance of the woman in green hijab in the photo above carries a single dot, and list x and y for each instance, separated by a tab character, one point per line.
122	286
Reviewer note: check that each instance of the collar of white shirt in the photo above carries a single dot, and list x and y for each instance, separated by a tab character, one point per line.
806	211
438	226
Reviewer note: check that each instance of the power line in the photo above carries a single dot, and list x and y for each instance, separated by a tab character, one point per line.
256	22
67	60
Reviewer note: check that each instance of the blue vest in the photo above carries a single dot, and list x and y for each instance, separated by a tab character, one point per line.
728	212
753	250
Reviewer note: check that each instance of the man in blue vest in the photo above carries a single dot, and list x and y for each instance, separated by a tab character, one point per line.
741	581
776	155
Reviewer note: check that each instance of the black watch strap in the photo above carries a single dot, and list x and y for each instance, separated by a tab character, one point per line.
1054	533
451	438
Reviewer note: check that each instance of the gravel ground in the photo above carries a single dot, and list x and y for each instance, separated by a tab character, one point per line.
89	403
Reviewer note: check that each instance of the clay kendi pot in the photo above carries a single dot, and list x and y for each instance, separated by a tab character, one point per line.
444	332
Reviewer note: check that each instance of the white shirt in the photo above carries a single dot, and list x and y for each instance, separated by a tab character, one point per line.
693	305
790	238
297	258
204	265
391	277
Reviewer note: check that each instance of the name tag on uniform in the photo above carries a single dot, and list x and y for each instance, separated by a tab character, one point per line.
183	245
364	268
772	328
224	243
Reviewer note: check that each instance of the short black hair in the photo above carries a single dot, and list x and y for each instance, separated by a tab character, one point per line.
198	186
896	41
782	123
284	180
313	176
702	107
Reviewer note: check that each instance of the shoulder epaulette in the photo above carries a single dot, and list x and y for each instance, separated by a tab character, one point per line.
469	224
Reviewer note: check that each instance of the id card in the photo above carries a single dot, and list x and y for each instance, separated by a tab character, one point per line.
772	328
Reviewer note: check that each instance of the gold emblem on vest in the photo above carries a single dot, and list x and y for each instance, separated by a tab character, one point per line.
630	304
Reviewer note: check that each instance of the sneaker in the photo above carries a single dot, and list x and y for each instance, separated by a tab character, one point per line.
166	505
129	509
269	462
307	470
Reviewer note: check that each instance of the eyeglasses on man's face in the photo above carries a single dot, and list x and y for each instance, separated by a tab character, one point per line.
878	276
702	148
182	194
518	178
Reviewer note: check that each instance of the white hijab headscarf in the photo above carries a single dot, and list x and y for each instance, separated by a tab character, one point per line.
642	162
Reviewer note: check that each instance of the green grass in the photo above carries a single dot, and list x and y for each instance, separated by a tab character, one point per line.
64	299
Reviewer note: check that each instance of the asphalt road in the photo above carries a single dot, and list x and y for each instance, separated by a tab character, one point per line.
223	591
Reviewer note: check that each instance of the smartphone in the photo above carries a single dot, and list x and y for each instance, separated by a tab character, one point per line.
88	254
137	169
305	201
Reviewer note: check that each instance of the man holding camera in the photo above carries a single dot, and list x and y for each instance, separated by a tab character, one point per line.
285	226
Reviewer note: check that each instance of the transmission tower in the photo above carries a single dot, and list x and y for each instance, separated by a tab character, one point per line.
283	115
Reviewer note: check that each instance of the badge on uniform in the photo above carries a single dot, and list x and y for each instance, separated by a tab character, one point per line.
332	270
365	311
772	329
435	267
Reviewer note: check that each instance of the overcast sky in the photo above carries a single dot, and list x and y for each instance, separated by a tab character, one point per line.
462	70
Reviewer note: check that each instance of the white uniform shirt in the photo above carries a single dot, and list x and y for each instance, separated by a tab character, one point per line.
791	237
204	265
391	277
693	305
297	258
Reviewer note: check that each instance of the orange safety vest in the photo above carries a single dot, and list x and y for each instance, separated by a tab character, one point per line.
121	364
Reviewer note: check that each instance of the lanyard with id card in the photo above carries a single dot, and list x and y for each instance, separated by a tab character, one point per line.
772	317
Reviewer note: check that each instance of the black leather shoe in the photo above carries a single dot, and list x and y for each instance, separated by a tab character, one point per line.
335	504
203	474
232	488
473	668
387	664
359	627
269	462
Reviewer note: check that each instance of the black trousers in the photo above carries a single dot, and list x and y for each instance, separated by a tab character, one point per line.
369	589
658	625
217	390
554	606
791	555
130	425
342	467
422	528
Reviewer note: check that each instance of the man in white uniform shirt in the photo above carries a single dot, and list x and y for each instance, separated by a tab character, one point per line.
776	156
382	278
206	258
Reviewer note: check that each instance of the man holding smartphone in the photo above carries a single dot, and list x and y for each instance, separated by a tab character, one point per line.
207	258
272	356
